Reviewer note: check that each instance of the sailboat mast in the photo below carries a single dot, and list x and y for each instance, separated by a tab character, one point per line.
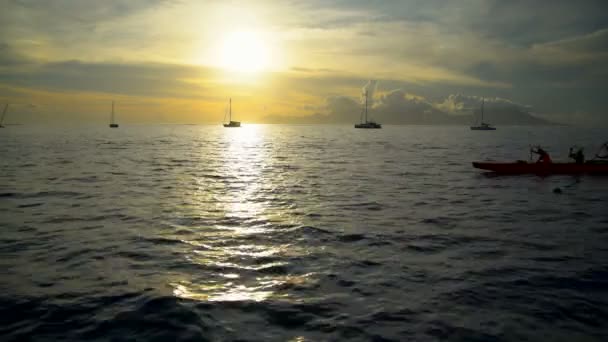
112	117
482	102
3	114
230	110
366	105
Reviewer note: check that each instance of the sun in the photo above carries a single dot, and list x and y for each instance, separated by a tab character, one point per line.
245	51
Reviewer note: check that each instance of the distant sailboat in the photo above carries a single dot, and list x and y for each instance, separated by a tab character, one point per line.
482	125
365	123
113	124
3	114
230	122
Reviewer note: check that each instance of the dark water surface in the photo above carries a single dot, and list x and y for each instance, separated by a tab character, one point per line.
299	233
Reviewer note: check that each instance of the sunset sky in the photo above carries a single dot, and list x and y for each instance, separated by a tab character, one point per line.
282	61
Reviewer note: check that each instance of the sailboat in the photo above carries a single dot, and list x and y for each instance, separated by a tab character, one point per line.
483	126
365	123
3	114
112	123
230	122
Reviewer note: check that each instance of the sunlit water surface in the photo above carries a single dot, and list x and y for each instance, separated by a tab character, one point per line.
303	233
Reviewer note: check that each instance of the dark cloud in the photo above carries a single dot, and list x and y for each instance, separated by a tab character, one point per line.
518	22
575	49
146	79
524	23
82	10
357	11
68	22
10	58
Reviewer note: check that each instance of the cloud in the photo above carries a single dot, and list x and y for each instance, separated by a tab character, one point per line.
146	79
60	15
342	108
9	58
515	22
497	110
521	24
308	108
310	70
156	81
453	41
400	107
574	50
369	90
465	104
551	55
395	106
67	29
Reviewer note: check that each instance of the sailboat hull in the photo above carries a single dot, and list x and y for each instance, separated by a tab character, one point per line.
233	124
113	125
370	125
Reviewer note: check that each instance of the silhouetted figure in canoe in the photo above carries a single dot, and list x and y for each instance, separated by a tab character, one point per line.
543	156
578	156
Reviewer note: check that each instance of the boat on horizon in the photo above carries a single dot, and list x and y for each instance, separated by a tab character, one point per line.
365	123
3	114
113	123
230	122
483	126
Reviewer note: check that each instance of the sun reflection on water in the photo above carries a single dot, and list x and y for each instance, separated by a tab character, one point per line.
237	251
243	160
265	288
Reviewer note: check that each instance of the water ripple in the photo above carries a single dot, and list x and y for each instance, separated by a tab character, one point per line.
295	233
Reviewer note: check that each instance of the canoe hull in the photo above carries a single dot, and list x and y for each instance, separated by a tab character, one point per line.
542	168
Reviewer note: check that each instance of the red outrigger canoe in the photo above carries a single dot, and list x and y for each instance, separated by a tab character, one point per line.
522	167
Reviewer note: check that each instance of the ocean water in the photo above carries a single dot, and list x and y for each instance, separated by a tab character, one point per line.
297	233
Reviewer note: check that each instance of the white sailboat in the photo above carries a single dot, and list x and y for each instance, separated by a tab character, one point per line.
3	114
364	122
483	126
230	122
113	124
